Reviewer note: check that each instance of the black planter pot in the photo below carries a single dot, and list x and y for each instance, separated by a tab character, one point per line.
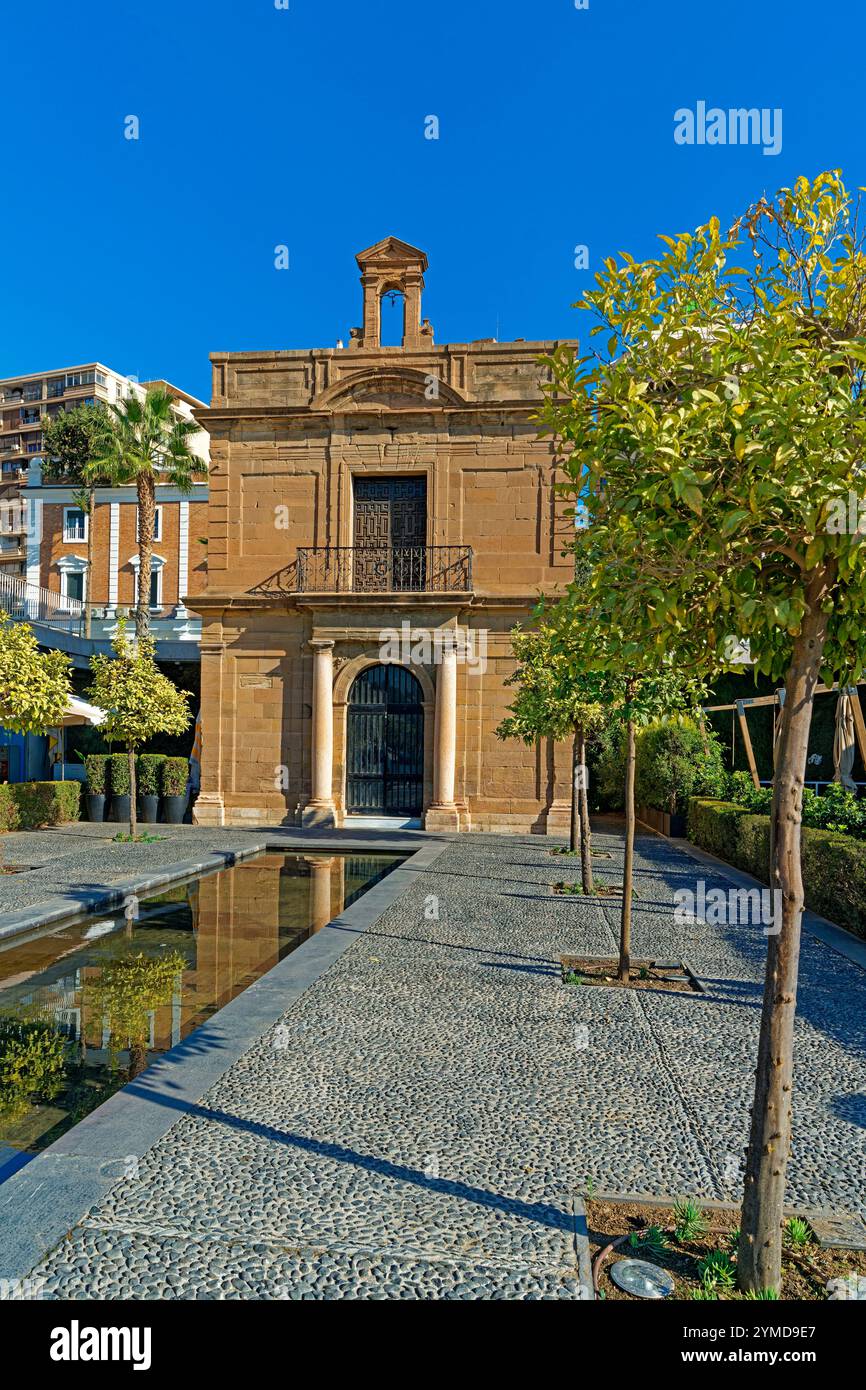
677	826
174	808
148	808
95	806
120	809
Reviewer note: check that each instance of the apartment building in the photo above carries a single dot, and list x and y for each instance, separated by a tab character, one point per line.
44	533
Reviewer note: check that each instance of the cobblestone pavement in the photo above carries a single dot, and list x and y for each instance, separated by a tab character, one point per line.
419	1123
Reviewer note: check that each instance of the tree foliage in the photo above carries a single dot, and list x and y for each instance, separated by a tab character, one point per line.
72	440
716	444
149	444
34	685
138	700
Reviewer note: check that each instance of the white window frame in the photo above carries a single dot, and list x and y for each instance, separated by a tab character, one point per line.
75	540
157	563
157	524
73	564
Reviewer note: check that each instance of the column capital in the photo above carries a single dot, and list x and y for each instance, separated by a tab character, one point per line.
321	644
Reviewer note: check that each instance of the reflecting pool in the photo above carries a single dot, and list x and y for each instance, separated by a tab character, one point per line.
86	1007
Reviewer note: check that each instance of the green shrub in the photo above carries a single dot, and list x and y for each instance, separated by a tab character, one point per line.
834	865
607	768
29	805
96	768
119	764
32	1055
835	808
175	775
148	773
741	789
675	761
8	807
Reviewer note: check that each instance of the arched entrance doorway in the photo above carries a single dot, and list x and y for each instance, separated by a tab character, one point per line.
385	743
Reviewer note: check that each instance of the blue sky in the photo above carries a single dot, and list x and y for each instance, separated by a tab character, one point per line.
305	127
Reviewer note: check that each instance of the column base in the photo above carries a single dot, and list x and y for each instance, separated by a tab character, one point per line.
558	818
442	817
319	814
209	809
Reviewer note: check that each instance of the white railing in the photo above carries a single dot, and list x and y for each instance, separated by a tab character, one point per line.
30	603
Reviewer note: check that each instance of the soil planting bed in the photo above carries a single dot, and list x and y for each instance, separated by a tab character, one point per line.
645	974
806	1269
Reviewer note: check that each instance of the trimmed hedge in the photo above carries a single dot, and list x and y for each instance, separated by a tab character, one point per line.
148	773
175	775
834	865
119	774
28	805
96	771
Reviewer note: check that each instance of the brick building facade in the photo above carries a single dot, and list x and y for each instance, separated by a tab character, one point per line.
380	518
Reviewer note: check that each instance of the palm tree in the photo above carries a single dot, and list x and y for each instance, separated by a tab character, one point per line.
150	444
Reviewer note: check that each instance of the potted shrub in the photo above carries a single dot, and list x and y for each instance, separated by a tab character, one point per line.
148	773
175	777
96	770
119	779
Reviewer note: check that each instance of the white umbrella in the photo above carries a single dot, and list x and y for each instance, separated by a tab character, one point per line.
843	742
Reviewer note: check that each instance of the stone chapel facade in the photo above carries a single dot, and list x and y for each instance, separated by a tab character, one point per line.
380	518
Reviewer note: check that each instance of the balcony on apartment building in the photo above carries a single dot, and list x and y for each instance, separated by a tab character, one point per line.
395	569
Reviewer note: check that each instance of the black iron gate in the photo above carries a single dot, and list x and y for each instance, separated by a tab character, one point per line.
385	752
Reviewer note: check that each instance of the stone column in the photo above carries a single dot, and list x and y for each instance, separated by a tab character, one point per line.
320	809
413	284
370	282
443	814
320	891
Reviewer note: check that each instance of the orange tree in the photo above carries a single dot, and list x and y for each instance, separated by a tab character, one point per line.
718	440
554	699
637	686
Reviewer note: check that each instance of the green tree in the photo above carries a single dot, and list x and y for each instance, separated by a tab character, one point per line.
719	440
556	701
125	993
639	685
72	440
150	444
34	685
139	701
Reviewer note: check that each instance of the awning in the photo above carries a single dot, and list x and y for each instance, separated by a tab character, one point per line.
80	712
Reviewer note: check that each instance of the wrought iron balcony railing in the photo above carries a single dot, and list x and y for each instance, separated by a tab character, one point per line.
414	569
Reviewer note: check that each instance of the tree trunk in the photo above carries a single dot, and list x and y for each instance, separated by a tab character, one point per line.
574	833
130	753
146	518
585	833
137	1058
759	1259
624	972
88	572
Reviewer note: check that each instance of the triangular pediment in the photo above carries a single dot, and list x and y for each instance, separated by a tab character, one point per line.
391	251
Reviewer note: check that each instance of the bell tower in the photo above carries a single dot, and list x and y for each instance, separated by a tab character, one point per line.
392	265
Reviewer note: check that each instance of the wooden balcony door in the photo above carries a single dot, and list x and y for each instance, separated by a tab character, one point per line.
391	526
